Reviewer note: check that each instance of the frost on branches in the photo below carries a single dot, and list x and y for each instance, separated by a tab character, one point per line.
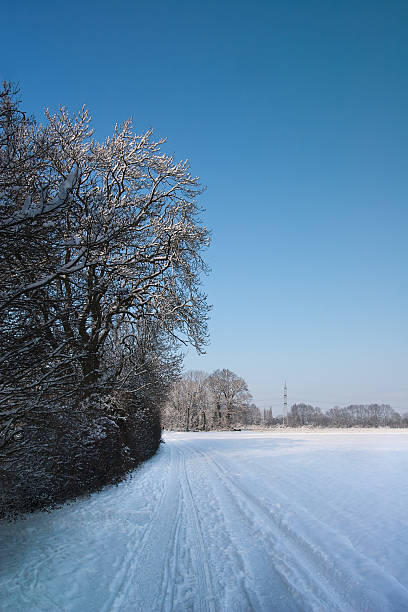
200	401
100	265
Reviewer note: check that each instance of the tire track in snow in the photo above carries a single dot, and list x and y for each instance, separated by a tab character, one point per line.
335	569
199	553
327	509
286	557
132	562
166	597
249	592
300	561
161	580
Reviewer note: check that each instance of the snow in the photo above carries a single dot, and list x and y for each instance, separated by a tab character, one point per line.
226	521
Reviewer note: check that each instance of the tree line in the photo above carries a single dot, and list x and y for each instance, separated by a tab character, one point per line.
363	415
221	400
100	264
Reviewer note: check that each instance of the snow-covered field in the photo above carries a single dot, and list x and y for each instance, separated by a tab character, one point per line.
226	522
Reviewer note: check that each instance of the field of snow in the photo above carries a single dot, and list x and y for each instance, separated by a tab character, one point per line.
226	521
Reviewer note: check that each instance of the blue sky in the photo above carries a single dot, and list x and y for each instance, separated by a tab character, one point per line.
294	114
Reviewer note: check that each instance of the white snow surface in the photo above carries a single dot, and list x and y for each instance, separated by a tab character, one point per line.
226	521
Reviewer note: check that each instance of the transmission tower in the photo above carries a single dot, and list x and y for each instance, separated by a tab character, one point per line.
285	404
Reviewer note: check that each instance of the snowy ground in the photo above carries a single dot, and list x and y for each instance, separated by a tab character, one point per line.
226	522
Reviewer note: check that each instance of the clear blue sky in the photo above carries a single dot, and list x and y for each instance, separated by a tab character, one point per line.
294	114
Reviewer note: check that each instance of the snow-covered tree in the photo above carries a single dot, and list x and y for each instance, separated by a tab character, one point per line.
230	395
101	248
199	401
364	415
304	414
189	403
253	415
31	246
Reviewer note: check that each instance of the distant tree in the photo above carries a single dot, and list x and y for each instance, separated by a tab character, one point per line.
364	415
188	404
252	416
199	401
230	396
304	414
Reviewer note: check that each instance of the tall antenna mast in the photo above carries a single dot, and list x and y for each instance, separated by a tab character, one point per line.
285	404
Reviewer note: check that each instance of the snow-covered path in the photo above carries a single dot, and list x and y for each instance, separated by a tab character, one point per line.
226	522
